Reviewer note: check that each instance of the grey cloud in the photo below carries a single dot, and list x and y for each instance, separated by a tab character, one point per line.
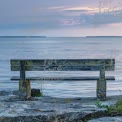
21	12
27	7
20	16
100	19
29	14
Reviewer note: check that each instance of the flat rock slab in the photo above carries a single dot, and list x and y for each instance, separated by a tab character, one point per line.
107	119
47	109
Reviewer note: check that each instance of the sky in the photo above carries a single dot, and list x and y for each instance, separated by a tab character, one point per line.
61	18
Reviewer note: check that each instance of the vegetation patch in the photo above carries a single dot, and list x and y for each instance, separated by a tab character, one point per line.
113	110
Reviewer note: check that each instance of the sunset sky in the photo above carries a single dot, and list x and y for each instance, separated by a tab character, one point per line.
61	17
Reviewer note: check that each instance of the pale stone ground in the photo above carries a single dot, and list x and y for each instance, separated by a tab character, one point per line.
65	109
107	119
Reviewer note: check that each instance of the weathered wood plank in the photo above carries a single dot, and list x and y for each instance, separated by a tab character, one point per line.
63	68
64	78
64	64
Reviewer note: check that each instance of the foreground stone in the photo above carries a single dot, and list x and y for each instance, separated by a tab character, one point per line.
107	119
36	93
49	109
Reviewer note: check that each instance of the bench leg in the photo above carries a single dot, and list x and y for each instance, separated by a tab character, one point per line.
101	85
25	89
22	88
101	89
28	86
22	82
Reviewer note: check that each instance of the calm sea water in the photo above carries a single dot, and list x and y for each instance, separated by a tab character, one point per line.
57	48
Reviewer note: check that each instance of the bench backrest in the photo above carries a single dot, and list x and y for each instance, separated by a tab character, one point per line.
62	64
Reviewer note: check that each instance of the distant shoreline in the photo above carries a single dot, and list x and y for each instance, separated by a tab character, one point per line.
22	36
103	36
60	37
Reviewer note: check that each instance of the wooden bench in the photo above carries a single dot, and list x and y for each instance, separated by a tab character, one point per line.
100	65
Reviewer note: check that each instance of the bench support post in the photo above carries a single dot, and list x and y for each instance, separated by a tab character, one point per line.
101	85
28	89
22	82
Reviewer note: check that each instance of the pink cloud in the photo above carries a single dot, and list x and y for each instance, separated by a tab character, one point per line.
116	24
69	22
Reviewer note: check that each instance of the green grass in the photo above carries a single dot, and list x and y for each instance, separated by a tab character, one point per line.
112	110
39	95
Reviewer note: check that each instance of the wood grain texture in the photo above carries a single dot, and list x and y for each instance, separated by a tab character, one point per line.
64	78
64	64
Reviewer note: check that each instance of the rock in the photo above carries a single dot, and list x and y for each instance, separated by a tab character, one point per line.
68	117
50	109
36	93
4	93
107	119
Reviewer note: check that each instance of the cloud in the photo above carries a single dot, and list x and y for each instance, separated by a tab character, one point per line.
44	15
101	19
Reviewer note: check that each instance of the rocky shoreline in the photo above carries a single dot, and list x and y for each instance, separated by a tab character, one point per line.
50	109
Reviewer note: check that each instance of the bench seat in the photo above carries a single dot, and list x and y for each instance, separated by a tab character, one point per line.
84	78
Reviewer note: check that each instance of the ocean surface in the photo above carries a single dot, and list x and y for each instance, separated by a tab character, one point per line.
61	48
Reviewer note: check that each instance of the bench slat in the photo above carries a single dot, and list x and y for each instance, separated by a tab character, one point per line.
64	64
62	68
64	78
